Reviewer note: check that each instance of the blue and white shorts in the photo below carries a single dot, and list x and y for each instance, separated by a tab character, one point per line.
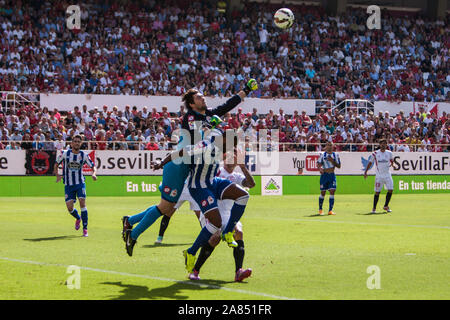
207	198
74	191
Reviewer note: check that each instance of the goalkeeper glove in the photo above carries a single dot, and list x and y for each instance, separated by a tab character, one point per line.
251	85
215	121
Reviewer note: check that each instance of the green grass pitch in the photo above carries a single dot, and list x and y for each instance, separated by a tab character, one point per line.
294	253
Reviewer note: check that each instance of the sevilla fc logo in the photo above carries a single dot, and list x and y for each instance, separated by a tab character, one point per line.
40	162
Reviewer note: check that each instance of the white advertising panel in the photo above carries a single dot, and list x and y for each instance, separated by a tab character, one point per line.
66	102
410	106
352	163
12	162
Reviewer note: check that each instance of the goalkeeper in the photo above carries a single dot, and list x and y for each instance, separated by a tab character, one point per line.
197	117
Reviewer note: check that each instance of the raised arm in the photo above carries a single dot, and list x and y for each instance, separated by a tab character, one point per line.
248	182
231	103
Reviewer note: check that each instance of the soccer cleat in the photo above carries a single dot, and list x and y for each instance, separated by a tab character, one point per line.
331	213
189	261
77	224
85	233
194	275
320	212
242	274
387	209
228	238
129	243
159	240
374	211
125	226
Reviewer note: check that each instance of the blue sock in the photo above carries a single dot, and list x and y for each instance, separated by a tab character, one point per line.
150	217
137	217
321	198
331	203
202	239
84	217
236	213
75	214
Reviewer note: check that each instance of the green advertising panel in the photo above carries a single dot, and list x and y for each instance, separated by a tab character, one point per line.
35	186
359	185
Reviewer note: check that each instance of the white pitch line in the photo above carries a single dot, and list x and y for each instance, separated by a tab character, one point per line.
144	276
354	222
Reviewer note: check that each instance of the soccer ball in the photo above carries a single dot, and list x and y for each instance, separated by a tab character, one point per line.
284	18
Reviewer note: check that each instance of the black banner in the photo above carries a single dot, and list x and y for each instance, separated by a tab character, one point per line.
39	162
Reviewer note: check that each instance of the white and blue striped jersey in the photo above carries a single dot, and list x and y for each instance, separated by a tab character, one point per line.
73	166
326	164
205	164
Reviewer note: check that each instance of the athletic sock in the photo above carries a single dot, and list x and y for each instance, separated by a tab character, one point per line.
375	200
238	254
321	199
150	217
164	224
236	213
75	214
388	198
137	217
331	202
84	217
204	254
203	237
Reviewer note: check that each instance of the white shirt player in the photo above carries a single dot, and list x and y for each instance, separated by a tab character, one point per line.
382	162
383	176
226	205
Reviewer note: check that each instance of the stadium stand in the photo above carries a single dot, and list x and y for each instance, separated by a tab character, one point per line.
155	48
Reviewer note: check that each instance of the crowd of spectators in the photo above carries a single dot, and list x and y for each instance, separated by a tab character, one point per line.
161	47
151	129
157	47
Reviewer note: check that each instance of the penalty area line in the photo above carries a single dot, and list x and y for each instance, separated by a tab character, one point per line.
144	276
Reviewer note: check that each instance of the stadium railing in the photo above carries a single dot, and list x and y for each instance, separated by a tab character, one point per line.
10	100
249	146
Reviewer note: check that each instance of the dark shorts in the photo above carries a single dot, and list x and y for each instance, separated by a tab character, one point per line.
327	181
174	176
207	198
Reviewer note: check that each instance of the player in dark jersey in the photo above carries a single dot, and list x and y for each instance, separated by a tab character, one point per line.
197	117
175	173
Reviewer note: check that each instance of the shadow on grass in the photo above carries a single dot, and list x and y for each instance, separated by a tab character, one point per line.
173	291
156	245
52	238
316	215
371	214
